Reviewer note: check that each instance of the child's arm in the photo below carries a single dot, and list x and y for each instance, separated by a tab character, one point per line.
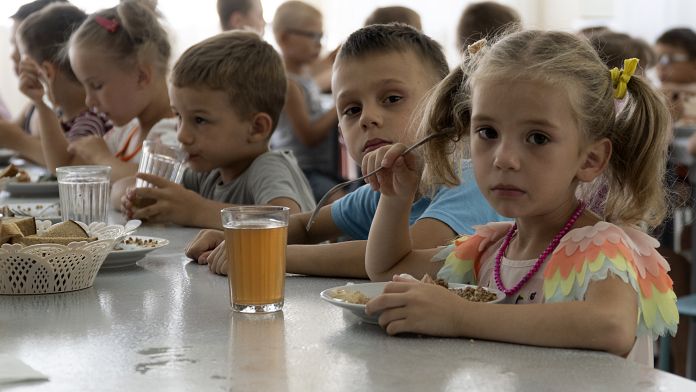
176	204
309	132
323	229
605	320
92	150
14	137
389	245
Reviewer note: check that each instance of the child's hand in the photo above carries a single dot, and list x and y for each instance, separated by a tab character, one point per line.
203	245
30	80
401	174
408	306
127	202
90	149
217	260
173	203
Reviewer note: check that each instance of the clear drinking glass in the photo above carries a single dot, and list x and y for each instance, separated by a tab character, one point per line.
256	239
159	159
84	192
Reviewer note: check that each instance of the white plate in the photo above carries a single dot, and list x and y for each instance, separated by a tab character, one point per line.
52	213
374	289
5	155
32	189
130	254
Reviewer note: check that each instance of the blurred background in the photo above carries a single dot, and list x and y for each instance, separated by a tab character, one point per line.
191	21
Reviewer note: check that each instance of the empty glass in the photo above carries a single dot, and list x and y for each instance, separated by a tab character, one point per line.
84	192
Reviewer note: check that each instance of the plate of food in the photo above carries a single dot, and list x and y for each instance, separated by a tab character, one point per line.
42	211
19	183
353	297
131	249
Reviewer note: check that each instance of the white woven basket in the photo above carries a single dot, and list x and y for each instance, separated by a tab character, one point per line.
55	268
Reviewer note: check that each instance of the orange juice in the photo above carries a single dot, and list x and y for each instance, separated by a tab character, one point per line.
256	257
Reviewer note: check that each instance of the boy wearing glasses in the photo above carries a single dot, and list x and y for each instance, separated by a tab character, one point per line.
305	127
676	69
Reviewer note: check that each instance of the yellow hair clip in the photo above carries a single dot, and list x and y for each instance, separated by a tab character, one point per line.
620	77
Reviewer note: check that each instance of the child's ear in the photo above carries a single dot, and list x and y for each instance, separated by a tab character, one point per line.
261	127
597	157
49	71
144	74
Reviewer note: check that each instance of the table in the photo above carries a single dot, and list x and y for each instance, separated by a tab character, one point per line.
165	324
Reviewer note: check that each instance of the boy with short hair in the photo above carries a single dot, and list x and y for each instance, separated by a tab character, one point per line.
227	93
381	74
241	15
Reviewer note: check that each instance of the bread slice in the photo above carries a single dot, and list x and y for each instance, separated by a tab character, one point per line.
10	171
66	229
35	239
25	224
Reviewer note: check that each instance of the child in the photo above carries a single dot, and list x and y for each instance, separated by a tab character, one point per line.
543	115
394	14
120	56
614	47
381	74
676	70
305	127
41	39
22	133
241	15
484	19
227	93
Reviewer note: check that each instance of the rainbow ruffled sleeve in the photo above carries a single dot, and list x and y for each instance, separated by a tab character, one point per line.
590	253
462	258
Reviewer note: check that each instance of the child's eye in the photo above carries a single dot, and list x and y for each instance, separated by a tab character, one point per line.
95	86
487	133
199	120
393	99
538	138
351	111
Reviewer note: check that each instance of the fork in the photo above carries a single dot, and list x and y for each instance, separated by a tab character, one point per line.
337	187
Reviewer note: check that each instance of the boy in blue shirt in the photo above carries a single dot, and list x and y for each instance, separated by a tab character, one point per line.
381	75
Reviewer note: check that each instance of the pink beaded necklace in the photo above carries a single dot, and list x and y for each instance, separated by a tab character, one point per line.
554	243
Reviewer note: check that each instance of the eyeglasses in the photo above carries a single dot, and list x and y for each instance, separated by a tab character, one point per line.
667	59
314	36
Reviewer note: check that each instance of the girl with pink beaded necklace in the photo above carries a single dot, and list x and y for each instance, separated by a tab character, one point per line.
546	123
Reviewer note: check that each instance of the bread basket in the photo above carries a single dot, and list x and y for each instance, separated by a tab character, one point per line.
55	268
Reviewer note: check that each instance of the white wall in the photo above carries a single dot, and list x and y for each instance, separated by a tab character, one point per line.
191	21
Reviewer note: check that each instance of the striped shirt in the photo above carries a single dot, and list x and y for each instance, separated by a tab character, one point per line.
88	123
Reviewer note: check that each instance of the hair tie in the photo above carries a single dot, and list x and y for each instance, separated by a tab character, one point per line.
110	25
476	46
620	78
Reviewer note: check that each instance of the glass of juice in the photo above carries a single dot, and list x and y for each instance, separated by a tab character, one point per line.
256	239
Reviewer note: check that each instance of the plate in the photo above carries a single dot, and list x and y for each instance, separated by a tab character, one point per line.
32	189
131	253
5	155
52	213
375	288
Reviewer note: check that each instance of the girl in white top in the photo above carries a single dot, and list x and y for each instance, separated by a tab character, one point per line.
543	118
120	55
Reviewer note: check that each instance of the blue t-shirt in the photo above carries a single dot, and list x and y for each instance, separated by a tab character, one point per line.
460	208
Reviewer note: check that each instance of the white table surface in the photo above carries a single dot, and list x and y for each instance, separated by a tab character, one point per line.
166	325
